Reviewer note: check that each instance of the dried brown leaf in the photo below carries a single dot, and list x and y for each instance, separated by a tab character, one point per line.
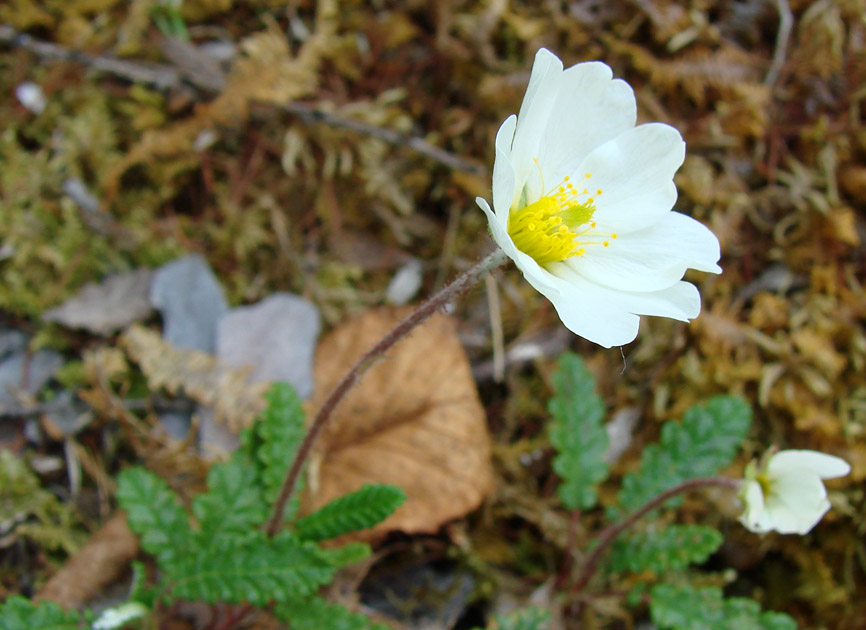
414	420
99	563
200	376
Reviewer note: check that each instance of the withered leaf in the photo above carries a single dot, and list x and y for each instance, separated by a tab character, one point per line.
414	420
99	563
200	376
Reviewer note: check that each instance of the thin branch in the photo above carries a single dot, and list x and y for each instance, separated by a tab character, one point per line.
459	286
160	75
611	532
165	76
309	113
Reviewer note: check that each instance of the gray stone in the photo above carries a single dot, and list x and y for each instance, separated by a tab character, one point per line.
176	424
11	341
33	373
191	301
405	283
67	415
276	338
104	308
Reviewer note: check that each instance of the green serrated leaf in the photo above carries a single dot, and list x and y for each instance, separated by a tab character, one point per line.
525	619
233	504
673	548
358	510
706	440
577	433
690	608
277	435
18	613
316	614
349	553
258	570
139	590
154	514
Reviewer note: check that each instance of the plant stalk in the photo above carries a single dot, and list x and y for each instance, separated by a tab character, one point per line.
609	534
458	286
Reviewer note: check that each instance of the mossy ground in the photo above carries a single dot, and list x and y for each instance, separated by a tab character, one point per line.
275	200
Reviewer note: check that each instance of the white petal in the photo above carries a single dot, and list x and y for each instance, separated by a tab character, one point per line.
755	517
503	171
536	275
609	317
635	173
823	465
544	83
588	309
682	302
498	227
797	501
651	259
590	109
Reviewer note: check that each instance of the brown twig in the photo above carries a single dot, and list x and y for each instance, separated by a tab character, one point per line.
460	285
611	532
160	75
309	113
165	76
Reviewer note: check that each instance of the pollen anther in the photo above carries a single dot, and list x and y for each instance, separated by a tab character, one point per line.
556	226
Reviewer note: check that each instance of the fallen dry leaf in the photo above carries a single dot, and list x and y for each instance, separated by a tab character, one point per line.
199	375
99	563
414	420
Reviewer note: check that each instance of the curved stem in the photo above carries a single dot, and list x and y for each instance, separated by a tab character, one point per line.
611	532
460	285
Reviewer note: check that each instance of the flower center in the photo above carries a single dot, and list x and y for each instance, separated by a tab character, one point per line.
765	483
557	226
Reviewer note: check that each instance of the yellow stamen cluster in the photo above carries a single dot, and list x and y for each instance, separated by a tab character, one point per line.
554	228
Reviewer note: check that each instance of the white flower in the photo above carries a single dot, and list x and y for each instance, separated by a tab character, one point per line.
786	494
118	616
582	202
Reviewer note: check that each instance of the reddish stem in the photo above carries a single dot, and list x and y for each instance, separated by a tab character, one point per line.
611	532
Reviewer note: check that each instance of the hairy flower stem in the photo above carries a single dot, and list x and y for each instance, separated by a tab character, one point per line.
611	532
459	286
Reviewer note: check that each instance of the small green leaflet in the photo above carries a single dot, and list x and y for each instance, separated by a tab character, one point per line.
577	433
18	613
706	440
233	504
274	439
258	570
691	608
672	548
317	614
154	513
358	510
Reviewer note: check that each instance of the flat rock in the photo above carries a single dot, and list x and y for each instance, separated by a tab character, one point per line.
33	372
11	341
276	338
116	302
405	283
191	301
